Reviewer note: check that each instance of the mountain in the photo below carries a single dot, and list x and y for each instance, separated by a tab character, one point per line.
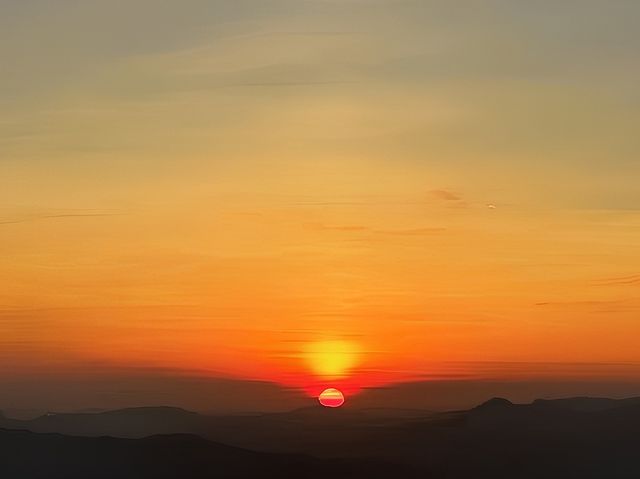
315	430
586	403
146	387
27	455
590	438
130	422
446	395
499	439
224	396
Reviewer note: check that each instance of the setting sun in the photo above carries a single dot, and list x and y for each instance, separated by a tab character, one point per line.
331	398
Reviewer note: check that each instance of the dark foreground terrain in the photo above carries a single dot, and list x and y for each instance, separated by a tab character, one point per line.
51	456
570	438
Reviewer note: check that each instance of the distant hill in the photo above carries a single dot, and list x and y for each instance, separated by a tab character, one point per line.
129	423
314	429
27	455
587	403
586	438
565	439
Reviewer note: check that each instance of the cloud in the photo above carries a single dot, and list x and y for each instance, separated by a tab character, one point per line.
445	195
629	305
620	280
285	83
57	216
448	198
345	228
393	232
413	231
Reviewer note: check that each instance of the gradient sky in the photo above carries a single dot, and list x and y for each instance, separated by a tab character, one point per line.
351	192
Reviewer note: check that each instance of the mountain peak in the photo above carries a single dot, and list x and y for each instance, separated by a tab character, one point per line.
495	403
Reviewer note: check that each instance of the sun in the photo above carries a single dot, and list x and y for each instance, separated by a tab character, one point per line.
331	397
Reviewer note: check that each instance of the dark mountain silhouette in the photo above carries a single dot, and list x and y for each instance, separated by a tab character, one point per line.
146	387
576	437
31	397
27	455
500	439
309	429
129	423
587	403
444	395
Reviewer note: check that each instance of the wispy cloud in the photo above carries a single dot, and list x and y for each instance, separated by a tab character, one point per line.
394	232
28	219
448	198
285	83
345	227
445	195
620	280
595	306
412	231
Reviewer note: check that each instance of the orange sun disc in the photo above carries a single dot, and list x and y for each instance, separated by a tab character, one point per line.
331	397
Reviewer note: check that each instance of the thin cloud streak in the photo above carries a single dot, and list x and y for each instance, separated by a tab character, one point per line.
57	216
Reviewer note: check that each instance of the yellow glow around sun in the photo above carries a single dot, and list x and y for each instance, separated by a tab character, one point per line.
332	359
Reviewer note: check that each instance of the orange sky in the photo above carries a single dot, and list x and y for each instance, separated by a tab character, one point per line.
319	194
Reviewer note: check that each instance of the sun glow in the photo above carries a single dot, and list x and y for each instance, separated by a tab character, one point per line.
332	359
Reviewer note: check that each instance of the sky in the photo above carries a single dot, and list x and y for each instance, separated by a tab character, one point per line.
319	193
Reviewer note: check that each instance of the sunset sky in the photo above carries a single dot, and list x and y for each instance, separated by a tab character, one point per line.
320	192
